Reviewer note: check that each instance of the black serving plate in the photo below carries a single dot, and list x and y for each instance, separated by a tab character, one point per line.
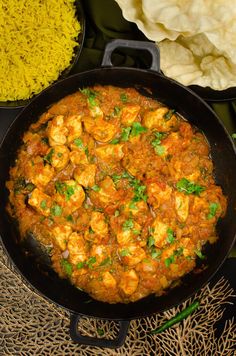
77	51
210	94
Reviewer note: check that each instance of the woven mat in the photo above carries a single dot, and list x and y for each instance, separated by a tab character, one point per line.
30	325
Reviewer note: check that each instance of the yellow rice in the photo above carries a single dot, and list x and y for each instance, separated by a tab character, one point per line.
37	40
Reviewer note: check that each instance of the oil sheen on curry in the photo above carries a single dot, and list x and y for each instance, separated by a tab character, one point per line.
120	190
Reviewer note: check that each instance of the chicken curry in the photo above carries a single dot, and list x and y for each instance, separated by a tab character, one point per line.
120	189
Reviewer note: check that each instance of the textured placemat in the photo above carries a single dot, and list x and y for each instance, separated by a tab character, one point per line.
30	325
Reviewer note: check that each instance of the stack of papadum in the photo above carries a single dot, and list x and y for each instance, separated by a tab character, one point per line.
197	38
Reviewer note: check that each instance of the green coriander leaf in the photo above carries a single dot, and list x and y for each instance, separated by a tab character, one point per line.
56	210
187	187
128	225
116	111
78	142
59	154
43	204
80	265
91	262
86	151
96	188
200	255
137	129
133	206
170	236
91	95
91	230
48	157
125	134
136	232
169	260
179	251
213	209
115	141
105	262
67	267
123	97
125	252
45	140
155	254
69	218
160	150
169	114
150	241
69	192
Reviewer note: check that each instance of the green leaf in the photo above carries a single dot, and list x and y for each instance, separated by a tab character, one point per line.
179	251
128	225
78	142
86	150
123	97
91	96
137	129
43	204
125	134
200	255
48	157
150	241
136	232
124	252
169	260
187	187
115	141
213	207
96	188
160	150
56	210
170	236
91	262
116	111
169	114
67	267
105	262
64	189
69	218
155	254
80	265
133	206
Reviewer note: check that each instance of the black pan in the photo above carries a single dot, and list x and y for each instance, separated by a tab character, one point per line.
36	270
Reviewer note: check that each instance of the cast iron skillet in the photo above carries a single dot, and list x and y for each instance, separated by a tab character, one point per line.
28	258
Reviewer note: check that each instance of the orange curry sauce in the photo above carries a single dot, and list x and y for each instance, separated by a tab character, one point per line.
120	188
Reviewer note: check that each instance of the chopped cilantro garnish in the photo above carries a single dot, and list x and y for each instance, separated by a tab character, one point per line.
179	251
187	187
67	267
200	255
169	114
124	252
96	188
116	111
78	142
169	260
45	140
170	236
43	204
160	150
125	133
105	262
136	232
65	189
123	97
138	190
80	265
69	218
115	141
213	208
59	154
137	129
150	241
133	206
91	262
48	157
86	151
91	95
56	210
128	225
155	254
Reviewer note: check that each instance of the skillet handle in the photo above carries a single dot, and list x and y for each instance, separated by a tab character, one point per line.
99	342
142	45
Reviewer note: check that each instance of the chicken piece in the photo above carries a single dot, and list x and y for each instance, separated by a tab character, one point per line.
159	119
158	194
129	282
78	157
100	129
70	195
124	236
171	142
57	131
138	208
159	232
188	247
129	114
74	126
100	252
108	280
95	111
77	249
107	192
133	254
40	201
181	206
61	234
85	177
98	224
109	153
58	156
38	172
